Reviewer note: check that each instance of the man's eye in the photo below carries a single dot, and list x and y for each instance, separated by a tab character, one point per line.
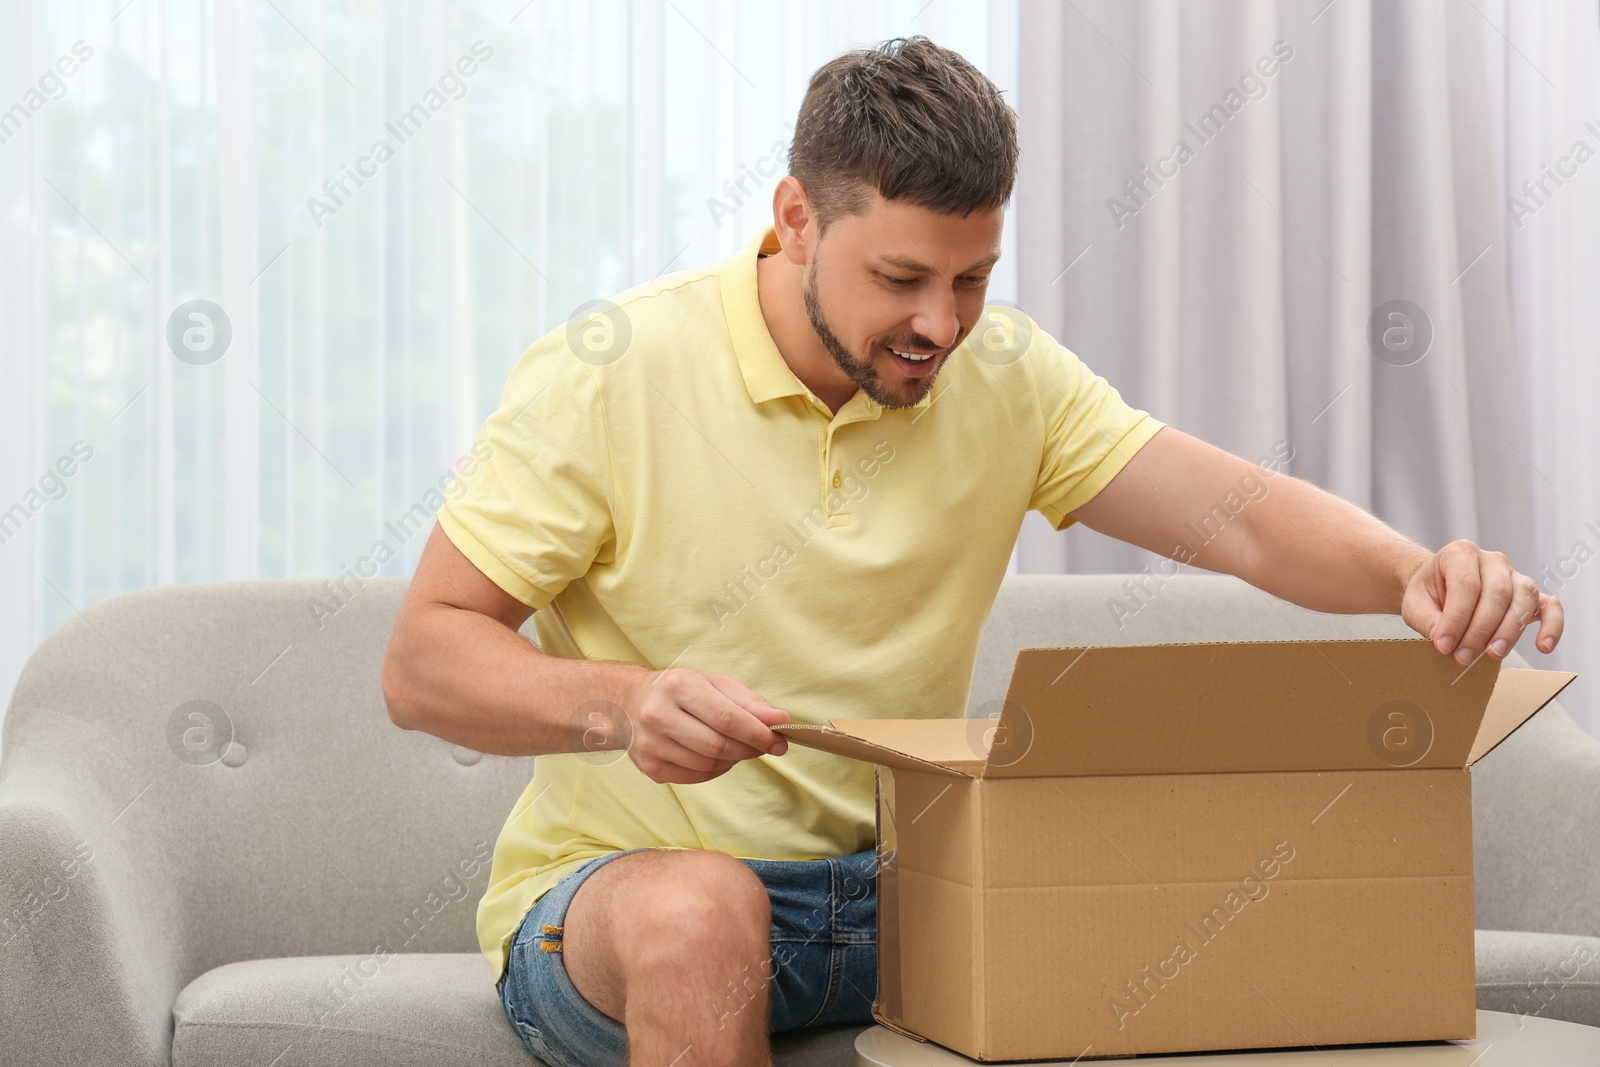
976	279
898	283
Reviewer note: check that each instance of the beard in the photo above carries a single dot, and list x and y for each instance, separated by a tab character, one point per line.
864	372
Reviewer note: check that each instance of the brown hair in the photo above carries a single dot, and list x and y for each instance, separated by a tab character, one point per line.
910	119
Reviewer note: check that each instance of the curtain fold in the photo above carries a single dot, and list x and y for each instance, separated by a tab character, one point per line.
1544	109
1228	206
385	204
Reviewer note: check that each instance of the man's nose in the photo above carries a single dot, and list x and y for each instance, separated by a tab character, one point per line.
936	319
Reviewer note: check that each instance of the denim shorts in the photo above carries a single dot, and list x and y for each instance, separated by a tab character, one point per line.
823	965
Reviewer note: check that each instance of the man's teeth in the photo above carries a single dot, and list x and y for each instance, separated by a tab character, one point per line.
910	356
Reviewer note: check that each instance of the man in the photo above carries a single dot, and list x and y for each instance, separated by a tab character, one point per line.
785	488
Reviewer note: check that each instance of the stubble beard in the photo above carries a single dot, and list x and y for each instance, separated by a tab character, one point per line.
862	372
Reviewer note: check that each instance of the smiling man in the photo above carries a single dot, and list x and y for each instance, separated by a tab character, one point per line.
784	488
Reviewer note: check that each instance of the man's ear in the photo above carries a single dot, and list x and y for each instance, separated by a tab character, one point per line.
793	220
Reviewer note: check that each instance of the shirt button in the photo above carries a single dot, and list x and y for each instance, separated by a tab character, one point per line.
836	479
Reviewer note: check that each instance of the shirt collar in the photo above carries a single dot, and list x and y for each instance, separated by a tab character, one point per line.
766	374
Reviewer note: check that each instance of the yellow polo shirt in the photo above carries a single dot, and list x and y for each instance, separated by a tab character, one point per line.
664	491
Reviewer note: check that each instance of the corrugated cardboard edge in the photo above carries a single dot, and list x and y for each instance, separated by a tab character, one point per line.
887	999
829	739
978	1005
1241	641
888	1024
1519	694
1081	737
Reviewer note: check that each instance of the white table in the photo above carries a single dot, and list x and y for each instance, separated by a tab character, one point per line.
1504	1040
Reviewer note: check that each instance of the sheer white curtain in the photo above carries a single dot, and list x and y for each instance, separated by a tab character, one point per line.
1223	204
1544	110
382	205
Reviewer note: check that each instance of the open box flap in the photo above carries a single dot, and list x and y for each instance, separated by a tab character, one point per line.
1246	706
1215	707
953	746
1518	694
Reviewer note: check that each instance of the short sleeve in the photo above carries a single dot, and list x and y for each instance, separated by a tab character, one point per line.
536	511
1090	432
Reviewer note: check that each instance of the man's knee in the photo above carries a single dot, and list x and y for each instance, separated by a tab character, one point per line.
661	918
700	902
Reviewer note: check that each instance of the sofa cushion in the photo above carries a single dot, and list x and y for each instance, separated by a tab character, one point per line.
1554	976
413	1008
425	1009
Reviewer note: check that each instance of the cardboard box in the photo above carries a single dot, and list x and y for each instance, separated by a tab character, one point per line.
1173	848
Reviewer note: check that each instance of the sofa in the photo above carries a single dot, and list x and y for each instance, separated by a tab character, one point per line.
216	849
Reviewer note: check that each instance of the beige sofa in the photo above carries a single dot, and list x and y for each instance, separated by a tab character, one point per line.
216	849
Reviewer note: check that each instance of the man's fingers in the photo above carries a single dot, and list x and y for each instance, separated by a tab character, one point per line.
719	727
755	704
674	774
747	698
715	716
1552	617
1462	584
675	754
759	714
771	716
1524	608
689	731
1470	602
1495	595
1419	605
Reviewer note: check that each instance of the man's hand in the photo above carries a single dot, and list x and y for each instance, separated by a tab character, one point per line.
1467	600
689	726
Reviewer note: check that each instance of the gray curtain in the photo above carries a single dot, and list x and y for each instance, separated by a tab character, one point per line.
1336	160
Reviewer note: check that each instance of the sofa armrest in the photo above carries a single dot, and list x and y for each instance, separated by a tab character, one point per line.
88	970
1536	803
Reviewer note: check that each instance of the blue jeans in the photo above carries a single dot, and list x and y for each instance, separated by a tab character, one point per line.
823	967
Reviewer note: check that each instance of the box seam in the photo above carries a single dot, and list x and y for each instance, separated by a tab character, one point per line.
980	1002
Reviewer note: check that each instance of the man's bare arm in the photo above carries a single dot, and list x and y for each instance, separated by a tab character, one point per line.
1181	492
457	668
1305	545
